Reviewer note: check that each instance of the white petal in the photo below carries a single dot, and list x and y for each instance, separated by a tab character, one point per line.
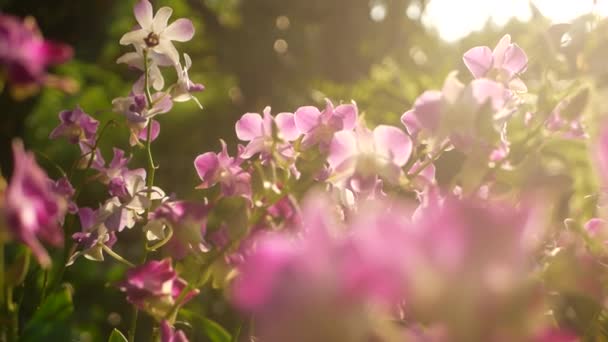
161	18
180	30
135	37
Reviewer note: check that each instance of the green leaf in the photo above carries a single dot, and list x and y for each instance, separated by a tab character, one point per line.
50	321
211	329
117	336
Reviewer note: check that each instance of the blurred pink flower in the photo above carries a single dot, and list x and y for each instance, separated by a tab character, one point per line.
32	208
154	287
25	54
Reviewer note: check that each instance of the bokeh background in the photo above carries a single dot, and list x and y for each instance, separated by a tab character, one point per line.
282	53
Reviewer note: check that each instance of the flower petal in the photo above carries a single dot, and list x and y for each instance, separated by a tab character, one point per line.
249	127
287	127
180	30
348	114
306	118
342	147
392	143
515	60
143	13
135	37
500	50
478	60
166	48
159	24
206	165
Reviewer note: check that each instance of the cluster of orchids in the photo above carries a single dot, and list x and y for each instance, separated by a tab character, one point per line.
320	228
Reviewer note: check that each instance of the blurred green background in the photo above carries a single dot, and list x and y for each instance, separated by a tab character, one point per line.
249	54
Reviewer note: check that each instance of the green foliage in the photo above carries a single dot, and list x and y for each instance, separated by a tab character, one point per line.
117	336
51	320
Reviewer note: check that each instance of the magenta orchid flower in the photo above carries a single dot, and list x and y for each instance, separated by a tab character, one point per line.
154	287
168	334
135	108
64	188
185	87
76	126
319	127
358	157
32	208
154	33
213	168
117	166
95	234
133	198
257	130
25	54
506	61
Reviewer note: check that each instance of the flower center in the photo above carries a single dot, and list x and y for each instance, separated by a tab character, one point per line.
151	40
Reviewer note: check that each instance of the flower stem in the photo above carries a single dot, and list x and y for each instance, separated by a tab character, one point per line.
116	256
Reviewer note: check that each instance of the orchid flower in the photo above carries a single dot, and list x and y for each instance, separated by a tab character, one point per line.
507	61
33	210
154	33
185	87
76	126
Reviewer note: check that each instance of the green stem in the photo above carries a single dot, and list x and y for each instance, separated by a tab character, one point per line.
116	256
162	242
149	179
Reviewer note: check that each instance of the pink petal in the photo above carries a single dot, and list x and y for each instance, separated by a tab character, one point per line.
515	60
180	30
342	147
307	118
392	143
408	119
287	126
143	134
206	165
348	114
601	155
249	127
159	24
427	109
478	60
500	50
143	13
484	90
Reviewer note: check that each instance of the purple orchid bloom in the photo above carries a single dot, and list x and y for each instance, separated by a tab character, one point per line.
257	130
133	198
76	126
94	233
319	127
154	287
32	208
185	87
117	166
154	33
214	168
168	334
503	64
135	108
358	157
64	188
25	54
